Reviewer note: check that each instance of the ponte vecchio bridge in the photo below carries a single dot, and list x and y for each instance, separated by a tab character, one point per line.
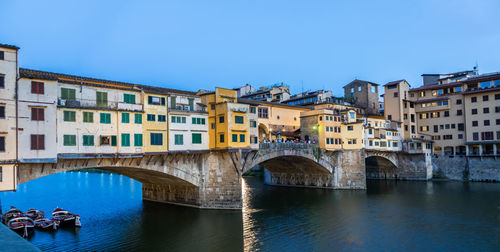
212	179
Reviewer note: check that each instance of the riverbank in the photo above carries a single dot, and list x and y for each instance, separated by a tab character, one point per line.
10	241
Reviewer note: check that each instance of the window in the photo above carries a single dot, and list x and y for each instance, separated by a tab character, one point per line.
125	139
200	121
176	119
129	98
2	57
2	112
497	110
179	139
263	113
163	118
446	113
459	101
389	117
69	140
485	97
138	119
253	110
105	140
447	137
221	138
150	118
487	135
196	137
154	100
235	138
238	119
37	114
486	122
374	88
88	117
212	106
253	124
105	118
359	88
497	96
37	87
212	125
114	141
125	117
459	112
352	115
474	123
2	145
486	110
352	91
156	138
475	136
69	116
101	99
485	84
68	94
242	138
2	81
422	93
37	142
498	121
349	128
88	140
460	136
221	119
473	99
474	111
138	140
395	94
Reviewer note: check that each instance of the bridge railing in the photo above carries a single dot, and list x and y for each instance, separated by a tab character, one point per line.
286	146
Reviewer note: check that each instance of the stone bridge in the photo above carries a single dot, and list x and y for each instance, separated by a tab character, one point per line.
212	179
397	165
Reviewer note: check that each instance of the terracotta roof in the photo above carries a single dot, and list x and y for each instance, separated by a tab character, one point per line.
437	86
361	82
256	102
394	82
9	46
37	74
481	90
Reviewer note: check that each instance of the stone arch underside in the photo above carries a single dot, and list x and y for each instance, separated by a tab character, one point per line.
379	167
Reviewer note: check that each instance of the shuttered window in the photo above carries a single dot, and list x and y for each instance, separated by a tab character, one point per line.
125	140
151	117
2	144
242	138
179	139
156	138
191	104
38	142
138	118
238	119
68	94
173	102
69	140
162	118
37	87
137	140
2	81
196	138
37	114
106	118
69	116
129	98
101	99
88	117
235	138
2	112
88	140
125	117
113	141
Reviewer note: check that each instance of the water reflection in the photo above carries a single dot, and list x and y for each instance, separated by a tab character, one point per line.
388	216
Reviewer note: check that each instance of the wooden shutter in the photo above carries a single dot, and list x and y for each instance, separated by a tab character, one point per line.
150	99
191	104
41	142
173	103
2	143
33	142
34	114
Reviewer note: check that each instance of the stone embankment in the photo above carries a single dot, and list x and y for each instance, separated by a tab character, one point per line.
466	168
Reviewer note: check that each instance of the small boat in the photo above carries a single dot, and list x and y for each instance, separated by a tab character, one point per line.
66	218
34	213
13	212
22	225
46	224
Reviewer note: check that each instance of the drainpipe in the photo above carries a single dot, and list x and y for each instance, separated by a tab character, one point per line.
16	170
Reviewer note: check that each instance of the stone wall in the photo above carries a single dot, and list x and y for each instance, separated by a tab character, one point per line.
466	168
351	174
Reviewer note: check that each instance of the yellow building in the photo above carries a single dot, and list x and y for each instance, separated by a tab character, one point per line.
229	126
155	128
352	130
322	127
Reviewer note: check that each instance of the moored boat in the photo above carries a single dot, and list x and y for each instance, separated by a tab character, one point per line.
66	218
46	224
34	213
13	212
22	225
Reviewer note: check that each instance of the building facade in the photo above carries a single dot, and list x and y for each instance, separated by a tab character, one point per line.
363	94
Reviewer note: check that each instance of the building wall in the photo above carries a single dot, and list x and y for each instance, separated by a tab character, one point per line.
155	126
7	99
186	130
381	134
363	95
282	118
27	126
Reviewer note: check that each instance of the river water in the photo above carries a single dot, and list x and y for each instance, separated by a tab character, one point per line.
389	216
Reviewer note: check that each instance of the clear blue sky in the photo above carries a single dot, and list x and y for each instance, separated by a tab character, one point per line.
201	44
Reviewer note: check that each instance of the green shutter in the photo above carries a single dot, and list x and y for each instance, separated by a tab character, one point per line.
88	117
203	121
125	140
137	139
235	138
193	120
179	139
88	140
138	118
125	117
69	116
162	101
105	118
173	103
191	104
183	119
150	99
238	119
101	99
156	138
196	138
242	138
69	140
68	94
113	140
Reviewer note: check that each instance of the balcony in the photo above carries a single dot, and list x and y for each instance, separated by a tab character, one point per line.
94	104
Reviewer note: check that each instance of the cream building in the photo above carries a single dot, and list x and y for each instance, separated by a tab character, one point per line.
187	124
8	123
322	127
352	130
381	134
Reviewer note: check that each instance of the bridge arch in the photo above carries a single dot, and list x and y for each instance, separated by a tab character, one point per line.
381	165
